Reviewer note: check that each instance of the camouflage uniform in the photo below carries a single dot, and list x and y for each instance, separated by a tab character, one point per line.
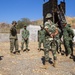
57	37
71	35
25	38
13	38
41	37
68	35
48	39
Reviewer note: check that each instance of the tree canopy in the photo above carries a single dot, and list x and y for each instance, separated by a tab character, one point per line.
22	22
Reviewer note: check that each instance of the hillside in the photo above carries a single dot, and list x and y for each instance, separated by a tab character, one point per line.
70	20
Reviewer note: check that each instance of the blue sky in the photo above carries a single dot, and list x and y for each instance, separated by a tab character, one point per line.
16	9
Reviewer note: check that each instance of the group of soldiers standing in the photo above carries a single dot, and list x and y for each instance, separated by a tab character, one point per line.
49	35
14	39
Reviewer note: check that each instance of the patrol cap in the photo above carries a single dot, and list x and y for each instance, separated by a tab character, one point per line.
14	22
48	15
41	25
64	22
25	25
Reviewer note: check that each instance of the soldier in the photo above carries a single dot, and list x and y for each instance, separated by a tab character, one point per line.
51	31
25	38
58	40
41	37
68	35
71	35
13	38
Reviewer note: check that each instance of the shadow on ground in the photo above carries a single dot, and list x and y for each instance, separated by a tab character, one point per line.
1	57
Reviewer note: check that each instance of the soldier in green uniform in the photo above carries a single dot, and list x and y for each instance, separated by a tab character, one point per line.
51	31
13	38
71	35
68	35
25	38
57	37
41	37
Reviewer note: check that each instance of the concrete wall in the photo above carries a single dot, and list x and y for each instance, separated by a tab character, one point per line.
4	37
33	30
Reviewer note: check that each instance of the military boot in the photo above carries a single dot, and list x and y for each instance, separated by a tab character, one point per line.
11	53
54	63
18	52
45	66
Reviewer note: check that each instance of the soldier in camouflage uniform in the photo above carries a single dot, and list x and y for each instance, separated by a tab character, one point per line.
51	31
13	38
68	35
25	38
41	37
71	35
57	37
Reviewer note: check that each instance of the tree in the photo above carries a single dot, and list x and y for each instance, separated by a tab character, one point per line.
22	22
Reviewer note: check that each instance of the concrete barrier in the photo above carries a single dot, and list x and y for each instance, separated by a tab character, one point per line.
33	30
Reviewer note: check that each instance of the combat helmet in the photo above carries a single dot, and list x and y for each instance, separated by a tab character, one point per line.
48	15
14	22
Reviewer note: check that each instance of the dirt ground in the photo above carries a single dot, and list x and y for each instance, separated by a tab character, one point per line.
29	63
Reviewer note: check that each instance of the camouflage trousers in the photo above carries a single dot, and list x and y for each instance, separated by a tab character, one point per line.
26	43
13	43
41	41
49	45
68	46
58	45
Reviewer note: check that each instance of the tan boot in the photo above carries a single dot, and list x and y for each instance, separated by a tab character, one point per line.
54	63
18	53
45	66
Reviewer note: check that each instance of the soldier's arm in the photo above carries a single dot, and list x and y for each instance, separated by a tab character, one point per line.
56	32
46	29
38	34
70	31
27	34
22	34
11	28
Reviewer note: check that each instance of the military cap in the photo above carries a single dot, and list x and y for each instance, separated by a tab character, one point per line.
14	22
25	25
64	21
41	25
48	15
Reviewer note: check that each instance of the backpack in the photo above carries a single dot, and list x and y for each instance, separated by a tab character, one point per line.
13	31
